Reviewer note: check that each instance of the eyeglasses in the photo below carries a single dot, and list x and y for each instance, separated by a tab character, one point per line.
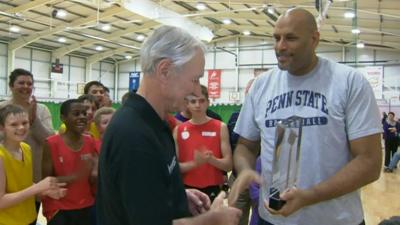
199	100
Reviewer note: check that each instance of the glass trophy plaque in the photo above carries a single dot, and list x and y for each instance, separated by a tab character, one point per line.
285	165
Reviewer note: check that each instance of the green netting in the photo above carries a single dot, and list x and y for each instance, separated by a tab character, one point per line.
54	109
225	111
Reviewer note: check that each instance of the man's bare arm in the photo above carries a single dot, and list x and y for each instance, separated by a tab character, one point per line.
363	169
244	160
245	155
224	163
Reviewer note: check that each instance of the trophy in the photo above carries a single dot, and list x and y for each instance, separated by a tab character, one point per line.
285	165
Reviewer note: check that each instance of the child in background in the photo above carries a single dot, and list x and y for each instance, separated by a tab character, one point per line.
71	157
202	148
102	118
172	122
17	190
91	105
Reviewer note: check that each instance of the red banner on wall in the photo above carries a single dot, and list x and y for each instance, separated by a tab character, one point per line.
214	84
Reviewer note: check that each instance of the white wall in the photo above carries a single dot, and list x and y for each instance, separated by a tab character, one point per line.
253	54
73	74
105	72
3	68
65	86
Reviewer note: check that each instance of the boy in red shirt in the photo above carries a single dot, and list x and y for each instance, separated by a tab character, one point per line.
70	157
203	149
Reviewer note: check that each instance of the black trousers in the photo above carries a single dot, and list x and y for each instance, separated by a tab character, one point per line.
390	150
263	222
73	217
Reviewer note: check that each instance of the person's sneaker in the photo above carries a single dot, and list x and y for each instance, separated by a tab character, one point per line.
388	170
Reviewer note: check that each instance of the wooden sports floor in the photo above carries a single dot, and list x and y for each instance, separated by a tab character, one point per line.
381	199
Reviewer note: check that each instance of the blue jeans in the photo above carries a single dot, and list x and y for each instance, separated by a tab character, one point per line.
263	222
394	161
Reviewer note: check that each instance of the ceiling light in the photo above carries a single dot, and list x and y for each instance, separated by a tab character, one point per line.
349	14
227	21
19	15
134	21
246	32
99	48
201	6
360	45
270	10
15	29
140	37
128	57
62	40
61	13
355	31
106	27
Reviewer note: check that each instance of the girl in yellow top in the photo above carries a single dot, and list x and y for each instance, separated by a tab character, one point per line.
17	190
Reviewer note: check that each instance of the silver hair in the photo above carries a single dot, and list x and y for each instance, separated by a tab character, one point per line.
168	42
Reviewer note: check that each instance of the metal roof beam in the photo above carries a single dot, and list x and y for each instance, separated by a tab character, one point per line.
28	6
154	11
22	41
114	35
97	57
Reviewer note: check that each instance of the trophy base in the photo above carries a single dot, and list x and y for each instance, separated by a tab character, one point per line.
275	201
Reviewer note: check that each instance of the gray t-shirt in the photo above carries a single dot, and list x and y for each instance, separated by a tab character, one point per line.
338	105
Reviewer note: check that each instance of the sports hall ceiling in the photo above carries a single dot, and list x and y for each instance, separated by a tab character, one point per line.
117	27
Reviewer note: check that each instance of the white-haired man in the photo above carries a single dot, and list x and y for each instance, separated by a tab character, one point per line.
139	178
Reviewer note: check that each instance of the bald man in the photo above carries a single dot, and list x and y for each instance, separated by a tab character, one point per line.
340	148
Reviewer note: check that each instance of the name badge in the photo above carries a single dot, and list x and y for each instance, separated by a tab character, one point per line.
209	133
85	156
